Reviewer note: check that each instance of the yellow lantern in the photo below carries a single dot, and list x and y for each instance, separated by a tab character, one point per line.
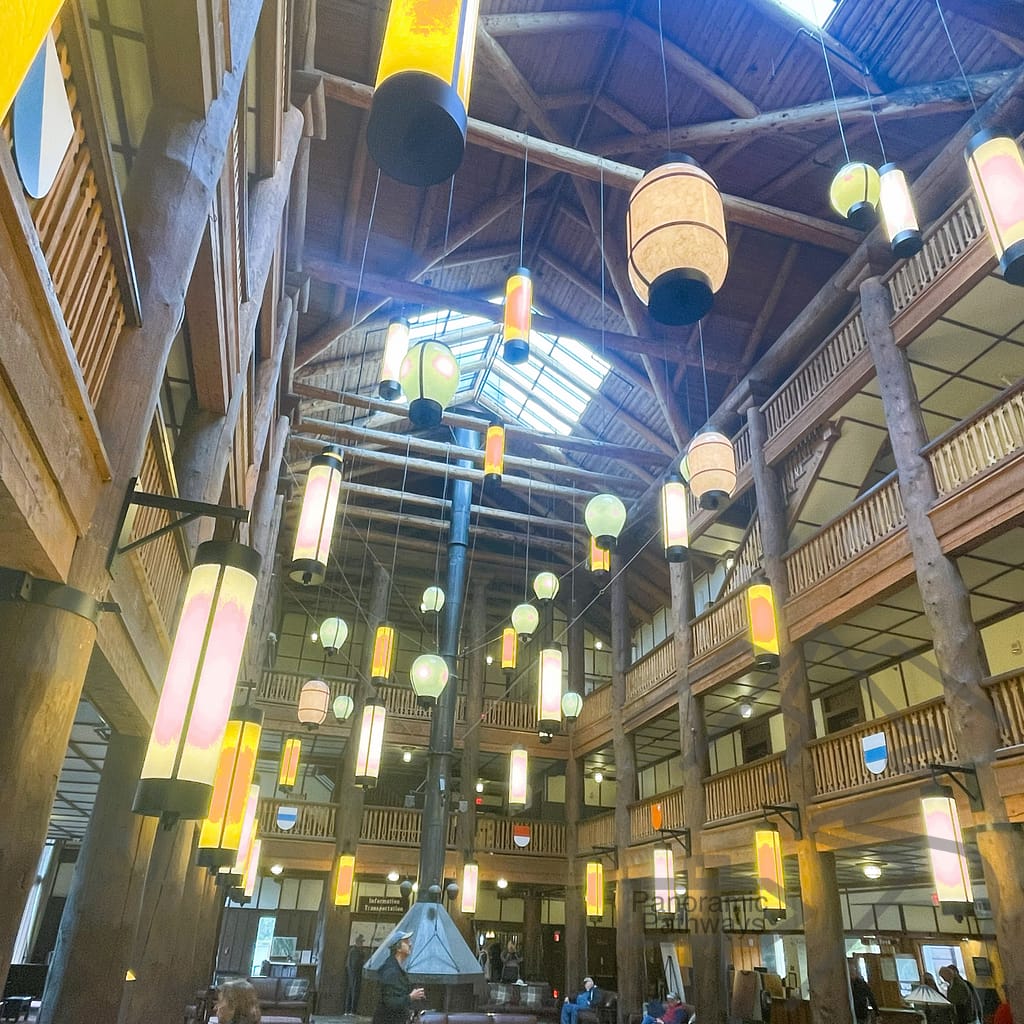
525	619
572	705
288	769
470	887
605	516
508	649
854	193
345	876
664	880
712	464
185	745
396	345
898	214
314	700
595	889
545	586
494	453
599	560
946	850
518	766
221	832
430	378
371	744
771	881
417	126
549	690
996	168
675	236
429	676
518	317
675	531
764	629
316	520
383	661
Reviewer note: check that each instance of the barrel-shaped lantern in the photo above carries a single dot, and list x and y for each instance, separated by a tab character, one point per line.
316	519
430	378
996	168
854	193
518	317
396	345
712	463
314	701
898	214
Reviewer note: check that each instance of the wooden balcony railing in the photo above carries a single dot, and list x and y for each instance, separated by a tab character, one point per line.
596	832
511	714
915	738
640	827
719	625
744	790
315	820
597	707
1007	696
495	834
651	670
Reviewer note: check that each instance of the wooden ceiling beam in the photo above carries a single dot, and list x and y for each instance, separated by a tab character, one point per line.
574	276
542	22
767	310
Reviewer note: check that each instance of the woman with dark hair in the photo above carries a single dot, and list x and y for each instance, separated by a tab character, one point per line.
396	991
237	1003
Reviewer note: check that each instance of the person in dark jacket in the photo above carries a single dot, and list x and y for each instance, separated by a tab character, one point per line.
354	974
396	991
863	998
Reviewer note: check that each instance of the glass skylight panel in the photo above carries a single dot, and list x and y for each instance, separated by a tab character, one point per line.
814	11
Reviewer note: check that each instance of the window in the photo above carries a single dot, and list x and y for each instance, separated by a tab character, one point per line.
814	11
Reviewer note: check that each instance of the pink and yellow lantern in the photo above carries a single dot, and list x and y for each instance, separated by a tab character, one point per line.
316	520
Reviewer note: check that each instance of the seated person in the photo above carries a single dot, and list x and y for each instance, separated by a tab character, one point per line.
675	1011
590	996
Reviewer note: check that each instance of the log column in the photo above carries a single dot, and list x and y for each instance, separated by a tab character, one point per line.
955	637
575	912
532	953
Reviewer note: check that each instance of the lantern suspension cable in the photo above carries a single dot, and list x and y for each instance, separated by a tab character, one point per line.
832	88
518	315
366	245
956	56
664	80
522	218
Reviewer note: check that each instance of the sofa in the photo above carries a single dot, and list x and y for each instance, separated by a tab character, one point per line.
478	1017
281	1000
532	998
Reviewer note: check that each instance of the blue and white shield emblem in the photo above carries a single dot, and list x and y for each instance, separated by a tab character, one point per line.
876	753
286	818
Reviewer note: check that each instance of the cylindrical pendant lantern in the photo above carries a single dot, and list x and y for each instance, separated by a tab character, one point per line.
946	850
675	530
417	126
764	629
549	690
854	194
605	516
333	634
432	600
508	649
371	743
594	893
599	560
518	317
234	873
429	676
525	620
518	774
343	707
771	881
288	769
383	662
396	345
316	520
996	168
344	878
184	748
494	453
664	880
545	586
572	705
712	463
470	886
675	237
899	218
252	871
430	378
314	700
221	833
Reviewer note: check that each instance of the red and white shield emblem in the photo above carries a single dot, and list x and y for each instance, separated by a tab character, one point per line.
521	835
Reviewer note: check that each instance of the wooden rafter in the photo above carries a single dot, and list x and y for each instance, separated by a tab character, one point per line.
534	22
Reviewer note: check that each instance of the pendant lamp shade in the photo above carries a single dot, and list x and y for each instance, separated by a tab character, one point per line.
594	891
252	871
417	126
343	707
430	378
525	620
854	194
572	705
764	629
898	214
545	586
599	560
508	649
549	690
185	745
712	463
432	600
234	873
344	879
429	676
333	634
470	887
605	516
396	345
288	769
675	531
371	743
675	236
518	317
494	453
383	661
314	700
221	832
518	774
316	520
664	880
996	168
771	880
946	850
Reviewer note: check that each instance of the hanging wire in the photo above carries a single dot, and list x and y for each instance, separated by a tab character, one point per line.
437	552
664	79
871	107
832	85
956	56
366	245
529	520
398	524
447	228
704	372
604	307
522	220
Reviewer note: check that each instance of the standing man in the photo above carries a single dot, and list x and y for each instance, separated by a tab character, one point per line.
590	996
961	994
396	991
864	1003
354	972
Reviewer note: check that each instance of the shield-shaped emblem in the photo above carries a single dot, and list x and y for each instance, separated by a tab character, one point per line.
656	817
521	835
876	753
286	818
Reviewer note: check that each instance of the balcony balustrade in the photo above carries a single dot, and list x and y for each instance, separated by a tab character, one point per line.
641	829
745	789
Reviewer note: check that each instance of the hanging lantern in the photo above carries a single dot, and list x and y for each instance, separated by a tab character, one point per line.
517	777
234	872
333	634
383	661
316	520
599	560
712	463
605	516
996	168
549	690
494	453
675	236
572	705
771	881
545	586
314	700
345	876
430	378
664	880
417	126
470	885
675	531
184	748
396	345
764	630
429	676
508	649
288	769
946	850
371	743
518	317
432	600
343	707
854	194
252	871
525	619
595	889
221	833
898	215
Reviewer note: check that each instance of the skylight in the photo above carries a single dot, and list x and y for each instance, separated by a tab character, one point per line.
814	11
